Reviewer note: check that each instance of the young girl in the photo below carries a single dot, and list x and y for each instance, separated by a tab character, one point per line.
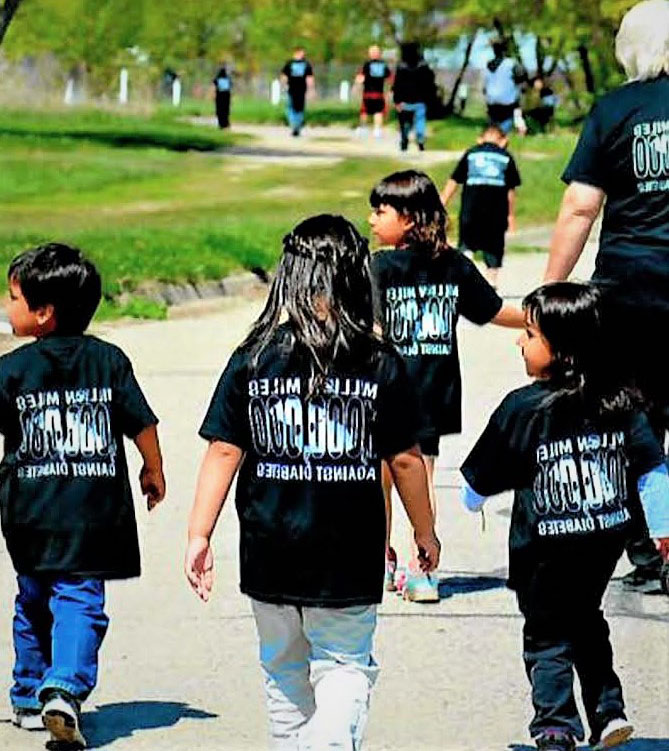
421	288
578	457
312	406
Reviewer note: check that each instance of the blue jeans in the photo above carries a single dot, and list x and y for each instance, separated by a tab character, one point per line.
417	117
295	116
59	625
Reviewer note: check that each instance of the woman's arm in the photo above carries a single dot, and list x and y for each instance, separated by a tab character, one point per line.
581	204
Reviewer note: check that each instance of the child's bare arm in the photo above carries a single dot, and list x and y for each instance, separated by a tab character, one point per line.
449	191
509	316
512	210
218	469
410	477
151	477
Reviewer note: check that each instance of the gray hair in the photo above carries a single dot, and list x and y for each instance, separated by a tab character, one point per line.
642	43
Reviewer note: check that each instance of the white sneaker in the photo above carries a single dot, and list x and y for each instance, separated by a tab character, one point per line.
60	715
27	719
615	732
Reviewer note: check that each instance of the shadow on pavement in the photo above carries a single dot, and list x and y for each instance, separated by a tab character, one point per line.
112	721
636	744
463	585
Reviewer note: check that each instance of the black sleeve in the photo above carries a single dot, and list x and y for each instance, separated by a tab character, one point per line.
309	71
512	175
397	409
460	172
478	301
5	403
286	69
587	164
492	466
644	451
377	292
134	411
226	419
399	86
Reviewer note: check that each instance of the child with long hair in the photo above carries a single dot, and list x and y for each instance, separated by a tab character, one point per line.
579	456
312	405
422	287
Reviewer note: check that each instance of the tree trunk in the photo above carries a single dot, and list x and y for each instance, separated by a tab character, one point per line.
7	11
587	68
465	63
541	57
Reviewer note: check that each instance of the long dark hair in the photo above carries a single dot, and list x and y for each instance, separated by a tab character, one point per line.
413	195
323	284
568	315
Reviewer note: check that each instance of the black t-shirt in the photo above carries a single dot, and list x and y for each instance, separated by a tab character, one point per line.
65	405
297	72
575	485
624	150
418	300
222	83
413	83
309	498
487	174
375	72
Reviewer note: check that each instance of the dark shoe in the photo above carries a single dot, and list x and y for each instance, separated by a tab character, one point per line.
556	740
61	717
643	580
404	145
295	132
421	147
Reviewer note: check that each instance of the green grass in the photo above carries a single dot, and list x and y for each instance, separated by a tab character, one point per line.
144	205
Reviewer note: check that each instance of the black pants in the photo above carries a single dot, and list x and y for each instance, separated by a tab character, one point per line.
565	630
630	341
223	109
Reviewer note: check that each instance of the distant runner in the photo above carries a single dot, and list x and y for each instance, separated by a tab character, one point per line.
373	76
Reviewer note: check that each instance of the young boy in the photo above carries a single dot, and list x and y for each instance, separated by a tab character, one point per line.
66	401
489	177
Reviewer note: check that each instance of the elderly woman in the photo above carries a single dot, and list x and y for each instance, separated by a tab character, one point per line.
622	162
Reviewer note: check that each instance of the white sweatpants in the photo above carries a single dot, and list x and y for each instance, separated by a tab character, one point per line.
319	672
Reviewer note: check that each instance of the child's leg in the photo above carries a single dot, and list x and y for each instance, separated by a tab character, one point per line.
549	662
429	461
343	672
79	626
32	641
284	657
593	659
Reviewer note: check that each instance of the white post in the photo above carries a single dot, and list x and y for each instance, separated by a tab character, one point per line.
123	86
69	92
344	91
275	91
176	92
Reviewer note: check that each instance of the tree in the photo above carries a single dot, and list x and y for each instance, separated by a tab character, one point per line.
7	11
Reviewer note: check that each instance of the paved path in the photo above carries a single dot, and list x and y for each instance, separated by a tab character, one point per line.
179	675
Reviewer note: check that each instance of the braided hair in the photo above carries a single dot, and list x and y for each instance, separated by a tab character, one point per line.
323	284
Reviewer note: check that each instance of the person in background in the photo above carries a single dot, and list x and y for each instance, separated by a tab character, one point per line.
298	76
222	92
501	86
372	77
413	88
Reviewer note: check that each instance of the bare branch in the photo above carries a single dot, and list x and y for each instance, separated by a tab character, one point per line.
7	11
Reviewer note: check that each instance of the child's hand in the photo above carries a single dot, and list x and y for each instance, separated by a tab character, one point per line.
152	482
199	567
662	545
511	229
429	549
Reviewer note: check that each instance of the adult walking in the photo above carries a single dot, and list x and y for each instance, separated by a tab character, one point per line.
501	86
298	75
372	77
222	90
413	88
623	157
